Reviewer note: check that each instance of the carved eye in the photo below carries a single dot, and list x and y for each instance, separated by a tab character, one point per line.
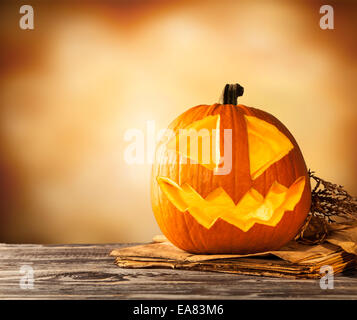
199	141
266	145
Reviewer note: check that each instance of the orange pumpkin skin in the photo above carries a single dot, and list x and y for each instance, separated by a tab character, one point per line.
184	231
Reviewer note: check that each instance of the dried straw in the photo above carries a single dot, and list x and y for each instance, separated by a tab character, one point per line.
331	205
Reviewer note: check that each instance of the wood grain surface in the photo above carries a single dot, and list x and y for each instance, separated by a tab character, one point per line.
88	272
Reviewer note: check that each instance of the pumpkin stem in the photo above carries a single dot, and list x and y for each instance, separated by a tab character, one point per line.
231	93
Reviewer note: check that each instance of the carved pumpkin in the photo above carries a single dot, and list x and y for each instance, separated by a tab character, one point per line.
259	203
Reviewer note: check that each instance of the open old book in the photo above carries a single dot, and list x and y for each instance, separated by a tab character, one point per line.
295	260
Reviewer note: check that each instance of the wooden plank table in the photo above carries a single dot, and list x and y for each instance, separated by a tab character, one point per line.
87	272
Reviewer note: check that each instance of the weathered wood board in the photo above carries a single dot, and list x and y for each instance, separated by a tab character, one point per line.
88	272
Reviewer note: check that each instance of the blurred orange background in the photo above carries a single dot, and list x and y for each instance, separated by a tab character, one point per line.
70	88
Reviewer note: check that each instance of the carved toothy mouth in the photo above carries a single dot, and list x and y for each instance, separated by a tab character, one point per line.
251	209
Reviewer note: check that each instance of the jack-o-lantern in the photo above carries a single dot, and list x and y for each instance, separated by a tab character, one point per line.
248	192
